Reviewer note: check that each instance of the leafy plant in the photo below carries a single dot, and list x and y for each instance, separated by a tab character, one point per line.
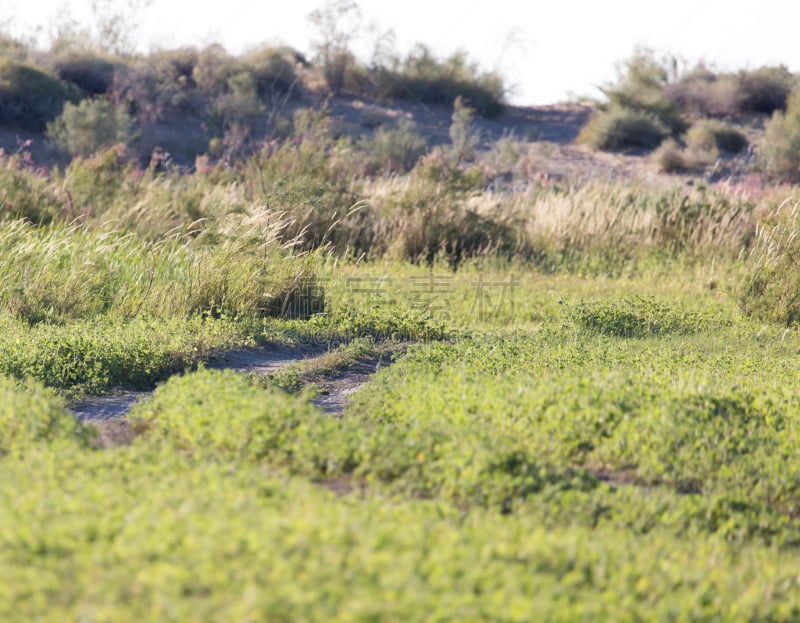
779	153
90	126
30	97
622	128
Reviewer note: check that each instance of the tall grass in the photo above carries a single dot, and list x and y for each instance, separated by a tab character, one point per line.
64	272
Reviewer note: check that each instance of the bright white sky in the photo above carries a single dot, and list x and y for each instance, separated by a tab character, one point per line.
546	50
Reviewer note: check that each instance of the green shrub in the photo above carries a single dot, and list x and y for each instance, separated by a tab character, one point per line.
715	137
622	128
30	414
635	317
89	126
30	97
779	152
223	412
766	89
176	64
337	23
95	355
26	194
641	86
423	78
91	71
60	273
393	150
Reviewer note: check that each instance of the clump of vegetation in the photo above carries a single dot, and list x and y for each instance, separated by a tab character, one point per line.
669	157
623	128
89	126
766	89
63	273
424	78
337	23
395	149
716	137
771	288
92	71
641	86
104	352
635	317
29	415
779	152
702	92
30	97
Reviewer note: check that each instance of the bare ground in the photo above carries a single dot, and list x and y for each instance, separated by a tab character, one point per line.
108	413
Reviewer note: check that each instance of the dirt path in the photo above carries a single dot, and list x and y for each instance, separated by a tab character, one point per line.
108	413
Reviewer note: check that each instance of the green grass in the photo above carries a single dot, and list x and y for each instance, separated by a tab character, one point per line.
592	416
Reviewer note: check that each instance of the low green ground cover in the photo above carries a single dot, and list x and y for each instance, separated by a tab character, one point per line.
578	465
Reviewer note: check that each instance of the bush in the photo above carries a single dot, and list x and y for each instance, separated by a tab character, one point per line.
622	128
222	412
635	317
31	414
213	68
30	97
92	72
703	93
641	87
393	150
424	78
779	153
93	124
26	194
159	88
715	136
669	157
766	89
273	71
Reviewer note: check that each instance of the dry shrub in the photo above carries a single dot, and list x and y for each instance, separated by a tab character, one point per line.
704	93
669	157
715	137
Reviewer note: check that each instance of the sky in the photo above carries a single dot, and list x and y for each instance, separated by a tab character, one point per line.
547	51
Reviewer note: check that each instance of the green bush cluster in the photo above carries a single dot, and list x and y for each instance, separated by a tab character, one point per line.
100	354
30	414
623	128
636	317
89	126
422	77
30	96
779	152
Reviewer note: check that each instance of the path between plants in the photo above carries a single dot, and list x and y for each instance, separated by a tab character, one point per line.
108	413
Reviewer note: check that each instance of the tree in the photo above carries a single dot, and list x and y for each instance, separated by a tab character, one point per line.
337	24
117	23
